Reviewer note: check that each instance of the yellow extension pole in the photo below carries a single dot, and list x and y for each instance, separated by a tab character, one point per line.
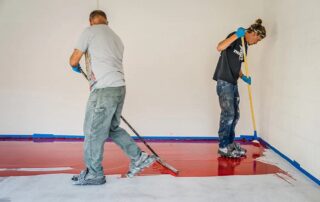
249	88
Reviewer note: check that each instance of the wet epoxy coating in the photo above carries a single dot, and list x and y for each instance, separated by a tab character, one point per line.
192	159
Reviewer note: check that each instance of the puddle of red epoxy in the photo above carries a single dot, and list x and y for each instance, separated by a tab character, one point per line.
192	159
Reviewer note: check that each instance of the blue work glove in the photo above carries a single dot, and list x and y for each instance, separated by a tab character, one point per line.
76	68
241	32
246	79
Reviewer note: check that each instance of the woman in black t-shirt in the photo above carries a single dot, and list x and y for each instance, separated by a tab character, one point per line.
227	73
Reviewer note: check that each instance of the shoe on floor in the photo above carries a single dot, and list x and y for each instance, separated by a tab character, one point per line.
85	178
229	152
82	174
236	146
136	166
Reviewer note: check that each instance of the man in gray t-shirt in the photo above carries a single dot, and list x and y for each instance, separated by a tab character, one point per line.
103	50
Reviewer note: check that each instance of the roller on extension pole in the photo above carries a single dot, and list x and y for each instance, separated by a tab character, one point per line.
255	135
173	171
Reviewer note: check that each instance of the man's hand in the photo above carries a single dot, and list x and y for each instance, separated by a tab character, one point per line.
76	68
246	79
75	59
241	32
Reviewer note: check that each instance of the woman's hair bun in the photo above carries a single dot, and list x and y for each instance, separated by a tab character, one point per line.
258	28
259	21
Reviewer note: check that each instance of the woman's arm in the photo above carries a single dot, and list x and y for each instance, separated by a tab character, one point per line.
226	43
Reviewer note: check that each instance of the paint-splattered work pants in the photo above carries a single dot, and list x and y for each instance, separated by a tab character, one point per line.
229	103
102	120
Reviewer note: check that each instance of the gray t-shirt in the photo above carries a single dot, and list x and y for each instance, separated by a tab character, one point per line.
104	52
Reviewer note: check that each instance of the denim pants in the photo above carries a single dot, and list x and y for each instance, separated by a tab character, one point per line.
229	103
102	120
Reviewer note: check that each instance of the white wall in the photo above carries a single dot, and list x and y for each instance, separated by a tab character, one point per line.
169	60
170	57
289	107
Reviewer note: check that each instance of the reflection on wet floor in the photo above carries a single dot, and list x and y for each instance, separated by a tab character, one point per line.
192	159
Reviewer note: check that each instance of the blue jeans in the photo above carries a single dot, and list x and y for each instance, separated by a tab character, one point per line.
229	100
102	120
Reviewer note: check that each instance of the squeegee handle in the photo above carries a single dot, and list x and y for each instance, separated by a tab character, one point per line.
140	138
249	86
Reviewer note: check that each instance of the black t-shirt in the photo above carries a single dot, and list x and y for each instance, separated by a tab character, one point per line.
229	64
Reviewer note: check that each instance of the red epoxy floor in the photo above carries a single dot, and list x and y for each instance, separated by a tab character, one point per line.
192	159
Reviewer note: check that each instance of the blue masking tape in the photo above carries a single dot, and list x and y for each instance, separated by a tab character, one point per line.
38	136
292	162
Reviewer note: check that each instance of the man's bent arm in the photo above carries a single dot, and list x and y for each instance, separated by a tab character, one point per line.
75	57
